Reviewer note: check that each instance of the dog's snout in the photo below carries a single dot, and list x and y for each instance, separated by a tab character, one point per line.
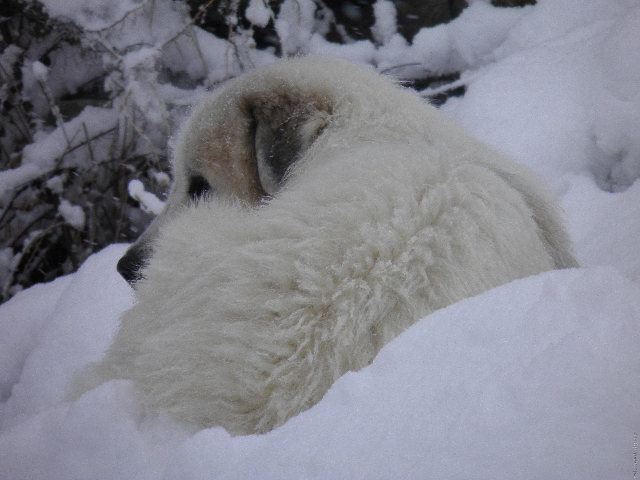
131	264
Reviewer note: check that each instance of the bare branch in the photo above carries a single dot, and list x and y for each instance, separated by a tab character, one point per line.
123	18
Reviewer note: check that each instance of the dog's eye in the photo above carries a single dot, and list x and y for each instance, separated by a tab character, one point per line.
198	187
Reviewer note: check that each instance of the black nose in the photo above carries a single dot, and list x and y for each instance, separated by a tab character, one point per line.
132	263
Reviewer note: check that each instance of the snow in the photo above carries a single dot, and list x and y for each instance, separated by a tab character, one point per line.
148	201
467	42
385	26
295	24
93	14
258	13
539	378
53	149
605	226
563	105
40	71
72	214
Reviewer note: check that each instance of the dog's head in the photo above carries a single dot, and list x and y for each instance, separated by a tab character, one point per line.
240	144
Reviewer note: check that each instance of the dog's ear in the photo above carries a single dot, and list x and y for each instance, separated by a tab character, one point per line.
282	136
245	141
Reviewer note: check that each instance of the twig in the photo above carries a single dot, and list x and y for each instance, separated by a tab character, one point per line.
116	235
55	110
92	226
131	121
40	236
151	13
15	195
107	47
395	67
5	154
189	24
196	44
28	227
101	134
24	128
86	135
122	19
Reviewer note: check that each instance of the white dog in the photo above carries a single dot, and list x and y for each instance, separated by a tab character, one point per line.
340	210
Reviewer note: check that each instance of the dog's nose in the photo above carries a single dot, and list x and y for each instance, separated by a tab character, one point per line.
131	264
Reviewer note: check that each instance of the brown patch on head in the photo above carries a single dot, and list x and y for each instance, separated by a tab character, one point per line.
257	136
225	155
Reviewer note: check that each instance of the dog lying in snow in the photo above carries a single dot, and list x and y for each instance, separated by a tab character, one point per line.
318	210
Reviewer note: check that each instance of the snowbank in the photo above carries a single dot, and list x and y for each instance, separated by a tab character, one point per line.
534	379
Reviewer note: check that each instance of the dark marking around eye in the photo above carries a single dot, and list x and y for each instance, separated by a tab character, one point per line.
198	187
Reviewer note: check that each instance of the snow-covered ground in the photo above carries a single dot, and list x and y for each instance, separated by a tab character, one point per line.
539	378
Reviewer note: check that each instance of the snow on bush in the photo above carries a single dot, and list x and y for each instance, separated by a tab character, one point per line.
72	214
148	201
90	101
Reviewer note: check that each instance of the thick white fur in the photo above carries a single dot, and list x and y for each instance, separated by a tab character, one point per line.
250	310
